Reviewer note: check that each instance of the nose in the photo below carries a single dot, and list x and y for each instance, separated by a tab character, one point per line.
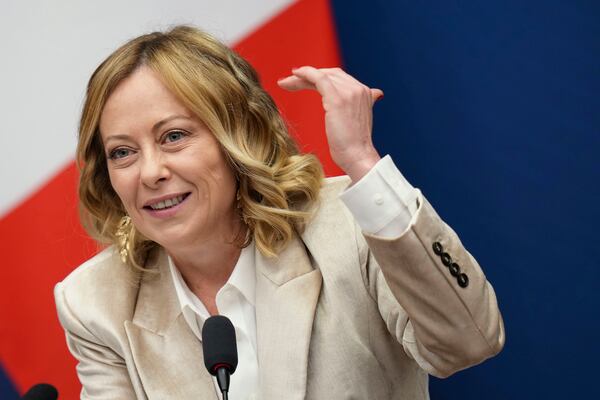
153	169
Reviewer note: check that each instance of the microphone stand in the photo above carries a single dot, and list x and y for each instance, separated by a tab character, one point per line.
223	381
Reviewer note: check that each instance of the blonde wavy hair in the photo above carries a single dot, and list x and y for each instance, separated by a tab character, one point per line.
277	185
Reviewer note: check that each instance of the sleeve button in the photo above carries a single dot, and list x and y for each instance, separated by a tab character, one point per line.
446	259
454	269
463	280
437	248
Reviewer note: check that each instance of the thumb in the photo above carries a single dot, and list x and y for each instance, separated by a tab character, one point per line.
376	94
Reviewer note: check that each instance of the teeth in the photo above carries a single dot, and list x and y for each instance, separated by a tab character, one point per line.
167	203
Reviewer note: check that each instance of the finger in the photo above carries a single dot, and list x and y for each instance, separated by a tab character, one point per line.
376	94
309	73
333	70
346	77
318	78
338	75
294	83
348	88
344	81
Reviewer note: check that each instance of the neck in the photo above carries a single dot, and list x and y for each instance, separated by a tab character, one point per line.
207	265
211	262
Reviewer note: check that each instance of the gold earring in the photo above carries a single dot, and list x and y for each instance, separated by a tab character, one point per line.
123	237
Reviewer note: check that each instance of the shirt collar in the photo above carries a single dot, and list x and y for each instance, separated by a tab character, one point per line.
243	278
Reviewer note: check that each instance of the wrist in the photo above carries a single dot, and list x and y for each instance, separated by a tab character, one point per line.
360	166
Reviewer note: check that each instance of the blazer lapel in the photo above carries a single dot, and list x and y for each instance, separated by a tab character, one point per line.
167	354
287	291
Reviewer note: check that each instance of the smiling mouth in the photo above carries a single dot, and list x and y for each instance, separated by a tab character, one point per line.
168	203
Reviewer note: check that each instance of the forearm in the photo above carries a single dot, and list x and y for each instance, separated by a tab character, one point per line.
454	326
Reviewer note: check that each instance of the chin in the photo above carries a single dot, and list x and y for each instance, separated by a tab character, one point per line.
176	238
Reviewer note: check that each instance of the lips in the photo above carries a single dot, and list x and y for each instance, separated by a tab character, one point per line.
166	202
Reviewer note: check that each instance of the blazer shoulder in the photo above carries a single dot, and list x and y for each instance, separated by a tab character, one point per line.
332	222
330	206
102	276
334	185
100	293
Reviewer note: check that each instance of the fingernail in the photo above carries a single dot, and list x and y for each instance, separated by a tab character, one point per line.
379	98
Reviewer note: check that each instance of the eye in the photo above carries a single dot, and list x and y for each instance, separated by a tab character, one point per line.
118	153
174	136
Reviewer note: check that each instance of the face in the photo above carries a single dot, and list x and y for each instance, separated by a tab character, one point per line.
166	166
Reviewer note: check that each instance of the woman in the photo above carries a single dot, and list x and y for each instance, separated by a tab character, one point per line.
188	171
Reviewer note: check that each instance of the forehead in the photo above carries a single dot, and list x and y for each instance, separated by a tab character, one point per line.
138	102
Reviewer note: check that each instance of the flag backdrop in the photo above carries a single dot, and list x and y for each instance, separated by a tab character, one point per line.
491	108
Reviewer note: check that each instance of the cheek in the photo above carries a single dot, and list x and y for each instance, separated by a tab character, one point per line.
124	188
217	186
211	171
225	179
213	186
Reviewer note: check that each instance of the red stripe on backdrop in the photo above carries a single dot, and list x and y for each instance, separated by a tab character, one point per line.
303	34
42	240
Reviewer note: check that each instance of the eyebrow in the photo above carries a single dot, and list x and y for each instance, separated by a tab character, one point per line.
160	123
156	126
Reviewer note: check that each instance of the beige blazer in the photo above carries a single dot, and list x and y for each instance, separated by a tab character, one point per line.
339	316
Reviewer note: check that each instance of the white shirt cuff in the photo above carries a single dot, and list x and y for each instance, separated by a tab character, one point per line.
382	202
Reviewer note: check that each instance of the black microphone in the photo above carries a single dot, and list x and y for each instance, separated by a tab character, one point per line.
41	391
220	350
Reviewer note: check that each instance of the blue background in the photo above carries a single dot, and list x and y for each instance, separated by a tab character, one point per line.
493	110
7	390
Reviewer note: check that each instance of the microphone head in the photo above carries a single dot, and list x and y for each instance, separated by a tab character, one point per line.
41	391
219	345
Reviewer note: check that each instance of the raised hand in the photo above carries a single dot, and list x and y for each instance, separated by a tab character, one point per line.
348	108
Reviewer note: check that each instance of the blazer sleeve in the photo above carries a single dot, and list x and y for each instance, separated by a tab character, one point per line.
102	372
433	295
